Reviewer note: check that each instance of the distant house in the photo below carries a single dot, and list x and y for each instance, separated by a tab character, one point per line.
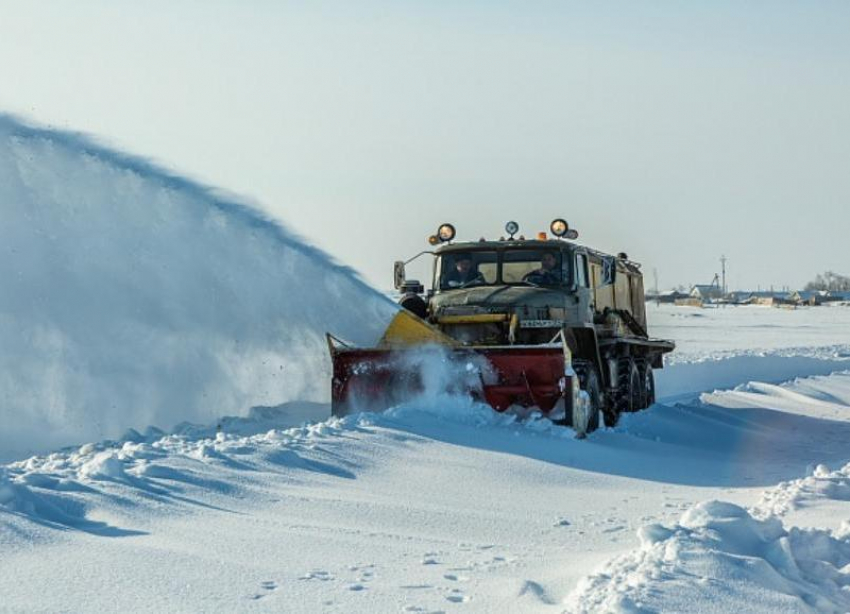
770	299
808	297
689	301
738	297
706	293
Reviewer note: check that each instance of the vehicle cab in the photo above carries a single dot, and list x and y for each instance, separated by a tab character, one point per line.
513	290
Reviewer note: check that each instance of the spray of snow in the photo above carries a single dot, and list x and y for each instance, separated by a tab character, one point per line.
446	379
444	385
133	297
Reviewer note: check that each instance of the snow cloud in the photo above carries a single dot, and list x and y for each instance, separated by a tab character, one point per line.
133	297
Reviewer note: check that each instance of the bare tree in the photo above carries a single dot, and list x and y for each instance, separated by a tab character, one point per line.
833	282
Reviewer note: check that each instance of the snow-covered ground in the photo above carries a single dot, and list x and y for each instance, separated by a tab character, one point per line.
734	496
132	297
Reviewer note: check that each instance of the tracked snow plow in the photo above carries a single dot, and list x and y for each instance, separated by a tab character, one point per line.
544	323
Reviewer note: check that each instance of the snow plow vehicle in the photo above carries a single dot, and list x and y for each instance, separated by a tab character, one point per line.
540	323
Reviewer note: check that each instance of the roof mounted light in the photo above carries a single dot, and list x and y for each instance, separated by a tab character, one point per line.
433	239
572	234
559	227
446	232
512	228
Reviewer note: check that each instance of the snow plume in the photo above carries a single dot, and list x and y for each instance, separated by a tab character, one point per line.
444	374
719	558
132	297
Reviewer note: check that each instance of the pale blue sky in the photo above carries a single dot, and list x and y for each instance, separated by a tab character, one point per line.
673	131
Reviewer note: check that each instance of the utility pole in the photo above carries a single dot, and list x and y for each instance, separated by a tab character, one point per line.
723	264
655	275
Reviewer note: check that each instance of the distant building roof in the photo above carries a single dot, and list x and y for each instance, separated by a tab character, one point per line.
706	291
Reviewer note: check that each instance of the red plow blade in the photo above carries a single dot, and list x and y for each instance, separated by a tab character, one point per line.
378	378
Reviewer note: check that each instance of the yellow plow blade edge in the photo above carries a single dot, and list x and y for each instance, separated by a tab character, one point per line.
408	330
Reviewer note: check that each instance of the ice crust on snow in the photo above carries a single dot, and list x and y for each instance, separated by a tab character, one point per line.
719	558
134	297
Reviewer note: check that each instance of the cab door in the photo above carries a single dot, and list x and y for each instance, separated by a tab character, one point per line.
584	286
603	295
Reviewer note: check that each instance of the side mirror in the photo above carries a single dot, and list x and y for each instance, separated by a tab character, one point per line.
609	270
398	274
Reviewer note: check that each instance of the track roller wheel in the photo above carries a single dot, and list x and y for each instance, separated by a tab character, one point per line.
630	386
648	384
584	423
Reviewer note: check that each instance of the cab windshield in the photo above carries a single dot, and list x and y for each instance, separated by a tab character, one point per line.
528	267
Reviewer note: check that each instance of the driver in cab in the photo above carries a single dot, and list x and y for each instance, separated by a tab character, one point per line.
548	274
464	273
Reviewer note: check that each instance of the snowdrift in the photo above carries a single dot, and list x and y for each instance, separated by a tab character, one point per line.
719	558
134	297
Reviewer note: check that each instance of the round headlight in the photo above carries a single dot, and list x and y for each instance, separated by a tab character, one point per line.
559	227
433	239
512	228
446	232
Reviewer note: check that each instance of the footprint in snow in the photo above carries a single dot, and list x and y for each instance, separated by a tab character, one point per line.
267	587
533	588
613	529
367	572
323	576
455	578
458	598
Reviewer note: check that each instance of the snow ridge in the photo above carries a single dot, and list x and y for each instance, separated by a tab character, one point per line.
44	488
62	489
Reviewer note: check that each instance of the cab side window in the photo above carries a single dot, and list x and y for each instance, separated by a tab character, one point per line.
581	270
